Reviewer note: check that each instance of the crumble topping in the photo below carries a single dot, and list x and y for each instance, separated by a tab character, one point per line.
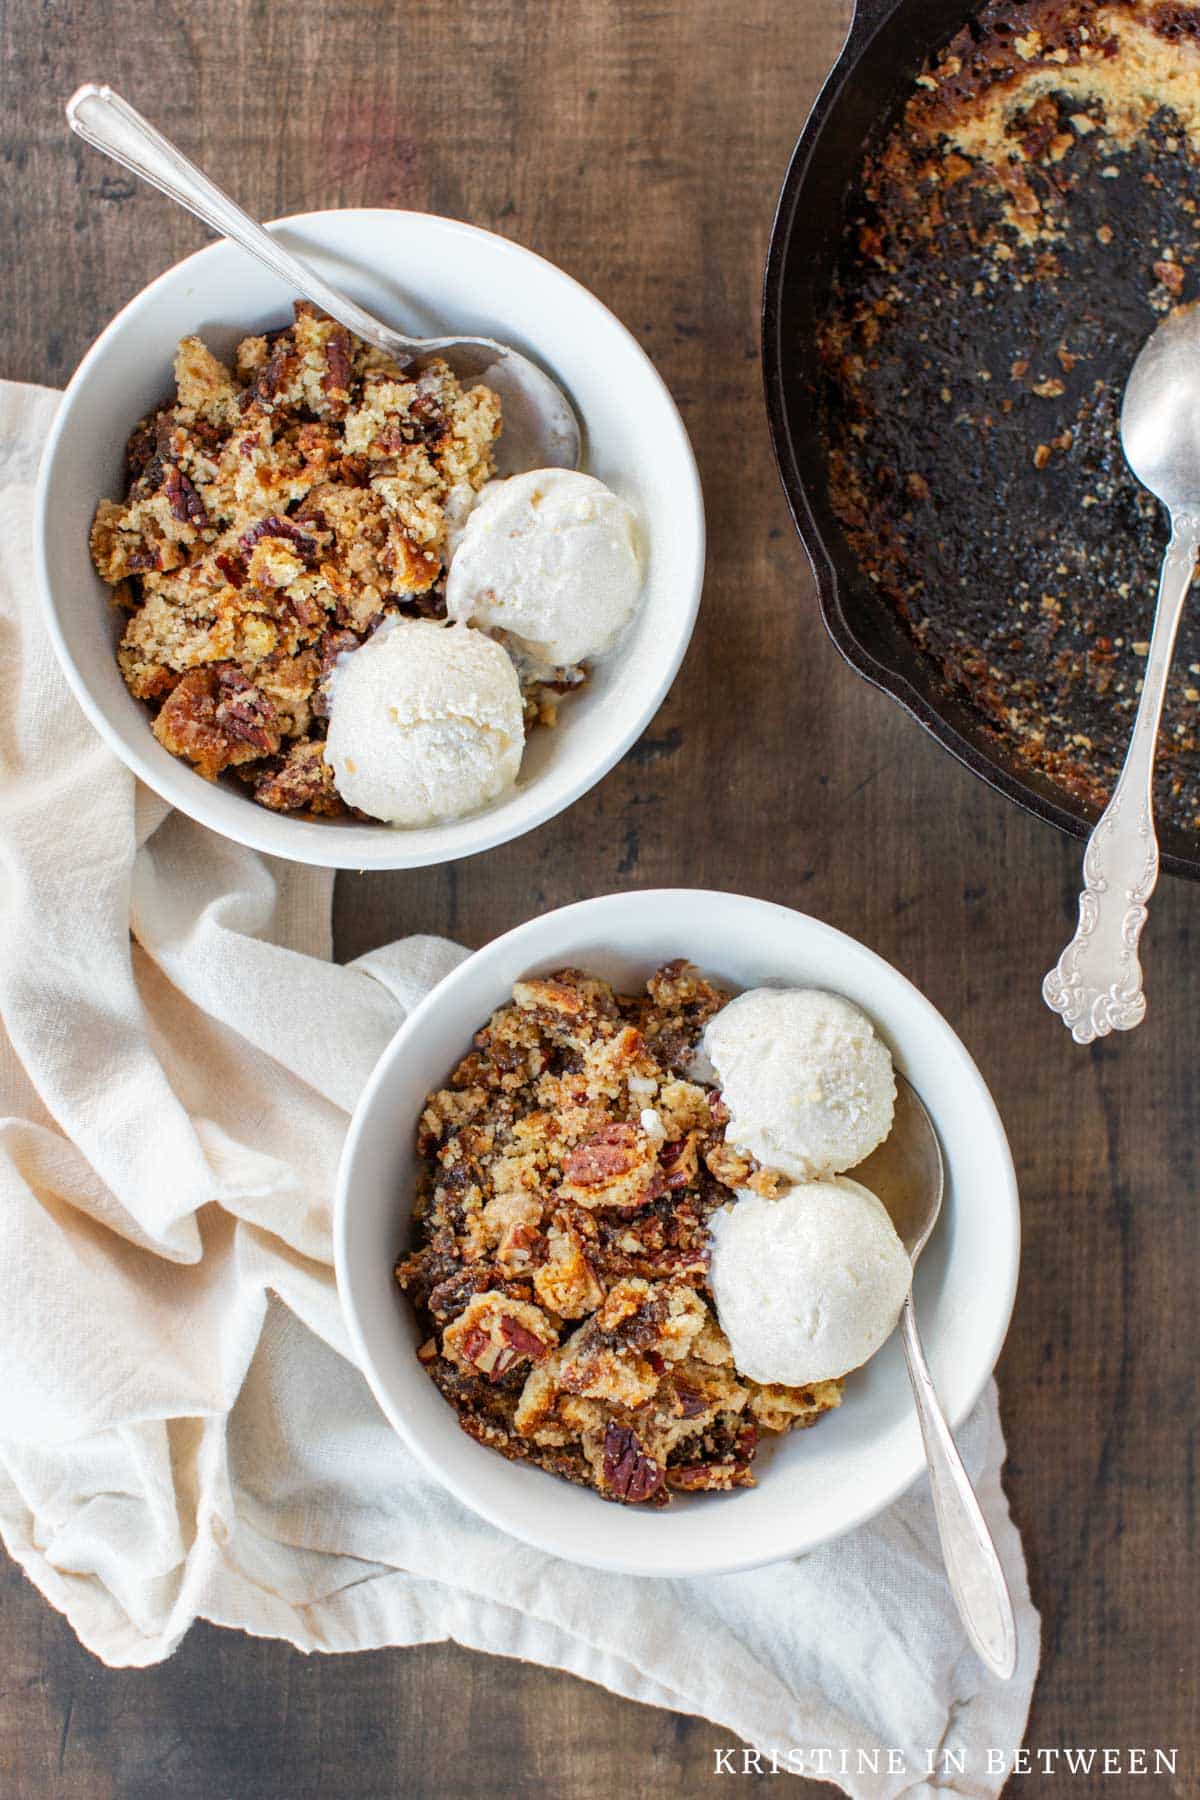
560	1261
277	512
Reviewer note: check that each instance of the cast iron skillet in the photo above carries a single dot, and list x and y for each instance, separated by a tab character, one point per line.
887	43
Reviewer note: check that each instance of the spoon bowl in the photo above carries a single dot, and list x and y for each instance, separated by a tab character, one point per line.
907	1172
1160	412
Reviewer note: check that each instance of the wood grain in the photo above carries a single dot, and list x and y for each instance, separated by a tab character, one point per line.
641	146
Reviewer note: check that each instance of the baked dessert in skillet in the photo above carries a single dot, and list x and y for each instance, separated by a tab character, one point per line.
1018	231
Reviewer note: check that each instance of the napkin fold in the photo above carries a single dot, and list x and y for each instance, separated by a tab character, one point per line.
183	1432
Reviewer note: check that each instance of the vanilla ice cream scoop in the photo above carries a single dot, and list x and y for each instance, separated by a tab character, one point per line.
807	1286
550	558
808	1083
426	723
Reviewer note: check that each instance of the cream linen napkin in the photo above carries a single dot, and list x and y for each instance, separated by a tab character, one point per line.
182	1433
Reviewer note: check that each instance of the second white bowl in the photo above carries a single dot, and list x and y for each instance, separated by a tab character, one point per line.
813	1485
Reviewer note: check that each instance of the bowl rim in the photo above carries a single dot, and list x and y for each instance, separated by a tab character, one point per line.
410	1030
253	826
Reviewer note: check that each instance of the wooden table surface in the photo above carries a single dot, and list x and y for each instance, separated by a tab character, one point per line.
641	146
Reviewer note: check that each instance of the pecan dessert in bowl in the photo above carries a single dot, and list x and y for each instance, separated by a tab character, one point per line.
808	1485
570	1169
572	1272
279	512
426	275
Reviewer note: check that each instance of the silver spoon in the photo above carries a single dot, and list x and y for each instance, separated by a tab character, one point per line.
1096	983
907	1174
540	427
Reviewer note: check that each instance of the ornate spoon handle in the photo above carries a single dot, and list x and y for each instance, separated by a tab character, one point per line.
972	1565
1096	983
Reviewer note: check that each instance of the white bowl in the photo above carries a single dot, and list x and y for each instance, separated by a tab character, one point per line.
421	274
813	1485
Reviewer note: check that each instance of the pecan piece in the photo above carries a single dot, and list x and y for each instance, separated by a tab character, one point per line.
216	718
473	1345
630	1471
274	526
233	569
302	782
719	1477
428	417
275	373
522	1341
494	1333
309	513
331	645
336	379
616	1167
689	1401
183	499
450	1297
142	448
243	711
612	1151
680	1162
521	1248
306	611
